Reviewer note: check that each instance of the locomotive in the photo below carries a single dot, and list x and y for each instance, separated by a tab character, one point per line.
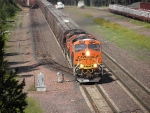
82	50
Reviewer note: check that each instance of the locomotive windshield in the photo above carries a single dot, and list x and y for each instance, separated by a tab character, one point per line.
94	47
80	47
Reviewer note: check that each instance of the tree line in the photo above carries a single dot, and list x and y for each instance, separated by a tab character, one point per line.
12	97
98	3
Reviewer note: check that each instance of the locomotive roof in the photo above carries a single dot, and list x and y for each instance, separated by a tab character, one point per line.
74	32
85	37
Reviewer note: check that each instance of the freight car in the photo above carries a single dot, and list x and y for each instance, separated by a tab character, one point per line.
82	50
138	13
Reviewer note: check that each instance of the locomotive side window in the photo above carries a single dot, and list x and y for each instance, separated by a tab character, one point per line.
94	47
80	47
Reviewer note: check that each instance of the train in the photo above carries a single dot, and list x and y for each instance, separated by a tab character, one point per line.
141	13
82	50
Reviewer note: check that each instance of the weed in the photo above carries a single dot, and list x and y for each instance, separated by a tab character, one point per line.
88	15
32	88
28	32
20	25
33	106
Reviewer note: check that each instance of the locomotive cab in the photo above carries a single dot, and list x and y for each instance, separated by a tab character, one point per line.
87	60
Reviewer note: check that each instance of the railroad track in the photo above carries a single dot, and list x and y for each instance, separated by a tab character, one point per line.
98	100
140	92
41	49
55	65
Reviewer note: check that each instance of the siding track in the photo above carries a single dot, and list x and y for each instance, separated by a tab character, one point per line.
42	47
133	86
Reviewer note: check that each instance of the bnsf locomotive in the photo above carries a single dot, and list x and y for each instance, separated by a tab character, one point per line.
82	50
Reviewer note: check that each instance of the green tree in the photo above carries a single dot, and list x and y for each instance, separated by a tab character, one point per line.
12	97
8	8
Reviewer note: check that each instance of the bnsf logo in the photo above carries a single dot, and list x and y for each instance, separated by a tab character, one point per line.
85	57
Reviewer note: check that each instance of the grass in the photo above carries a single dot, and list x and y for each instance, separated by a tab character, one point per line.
32	88
125	38
10	26
142	23
88	15
20	25
33	106
134	21
27	32
117	16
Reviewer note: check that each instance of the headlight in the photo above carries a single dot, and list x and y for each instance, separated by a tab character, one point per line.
87	53
81	65
95	65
